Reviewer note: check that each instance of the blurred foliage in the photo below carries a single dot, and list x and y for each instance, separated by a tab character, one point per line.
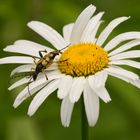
119	120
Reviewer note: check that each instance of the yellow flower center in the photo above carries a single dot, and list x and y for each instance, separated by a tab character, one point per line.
83	59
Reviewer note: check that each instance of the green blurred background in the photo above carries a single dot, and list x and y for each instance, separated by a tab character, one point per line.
118	120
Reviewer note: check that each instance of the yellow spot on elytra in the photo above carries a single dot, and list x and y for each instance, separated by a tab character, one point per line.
83	59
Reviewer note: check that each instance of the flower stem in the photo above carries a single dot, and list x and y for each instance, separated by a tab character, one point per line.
84	123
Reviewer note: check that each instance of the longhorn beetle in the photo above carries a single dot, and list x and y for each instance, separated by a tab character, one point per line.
43	63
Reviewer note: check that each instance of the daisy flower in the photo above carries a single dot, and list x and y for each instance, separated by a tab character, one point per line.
88	63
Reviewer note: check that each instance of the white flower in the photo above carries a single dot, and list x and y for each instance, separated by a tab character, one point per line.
87	66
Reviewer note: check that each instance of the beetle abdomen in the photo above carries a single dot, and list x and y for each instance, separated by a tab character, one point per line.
35	76
38	69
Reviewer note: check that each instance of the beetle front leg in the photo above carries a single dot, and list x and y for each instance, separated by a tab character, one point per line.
61	61
40	53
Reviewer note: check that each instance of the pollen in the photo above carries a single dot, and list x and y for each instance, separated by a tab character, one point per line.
83	59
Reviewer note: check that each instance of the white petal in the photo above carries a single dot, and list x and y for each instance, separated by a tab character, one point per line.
41	96
92	38
120	38
136	83
126	79
86	36
106	32
24	94
34	87
125	47
16	59
48	33
97	85
22	68
55	74
125	55
19	83
22	50
98	80
27	68
126	62
51	70
64	86
91	102
67	29
122	72
33	45
81	23
66	111
77	88
26	47
103	94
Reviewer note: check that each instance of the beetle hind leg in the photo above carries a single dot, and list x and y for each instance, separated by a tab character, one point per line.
44	72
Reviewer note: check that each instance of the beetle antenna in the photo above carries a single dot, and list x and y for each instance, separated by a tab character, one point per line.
29	87
65	47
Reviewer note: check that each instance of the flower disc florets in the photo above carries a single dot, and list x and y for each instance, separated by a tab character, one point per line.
83	59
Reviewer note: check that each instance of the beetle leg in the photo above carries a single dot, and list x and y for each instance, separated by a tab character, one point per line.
64	60
34	60
61	61
40	53
32	69
45	74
